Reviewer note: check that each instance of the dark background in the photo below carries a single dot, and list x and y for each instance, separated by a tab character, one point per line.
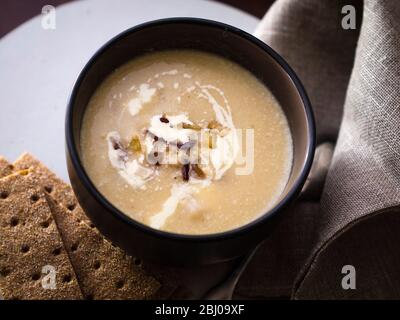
15	12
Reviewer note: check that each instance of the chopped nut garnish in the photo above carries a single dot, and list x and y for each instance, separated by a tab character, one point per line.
135	145
211	141
164	119
200	173
185	172
116	144
213	124
191	126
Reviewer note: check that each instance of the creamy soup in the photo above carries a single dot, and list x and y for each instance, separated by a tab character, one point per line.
187	142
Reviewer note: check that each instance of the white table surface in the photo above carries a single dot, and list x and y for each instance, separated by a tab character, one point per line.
39	67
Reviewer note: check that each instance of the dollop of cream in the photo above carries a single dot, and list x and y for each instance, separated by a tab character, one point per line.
130	170
171	131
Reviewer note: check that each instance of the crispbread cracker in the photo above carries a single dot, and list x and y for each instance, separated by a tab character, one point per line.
103	271
59	190
75	227
6	168
29	241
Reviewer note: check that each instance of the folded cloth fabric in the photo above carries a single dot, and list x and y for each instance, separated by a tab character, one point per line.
353	80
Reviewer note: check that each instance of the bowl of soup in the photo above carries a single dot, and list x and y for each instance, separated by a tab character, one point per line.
187	139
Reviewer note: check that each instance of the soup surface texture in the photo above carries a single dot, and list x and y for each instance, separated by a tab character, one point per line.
187	142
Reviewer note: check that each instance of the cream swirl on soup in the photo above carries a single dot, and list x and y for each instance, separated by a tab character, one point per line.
163	137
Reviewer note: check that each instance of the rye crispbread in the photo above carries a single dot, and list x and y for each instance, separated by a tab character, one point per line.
103	271
119	276
60	191
29	241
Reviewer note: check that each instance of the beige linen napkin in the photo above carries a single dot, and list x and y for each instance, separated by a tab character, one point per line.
353	80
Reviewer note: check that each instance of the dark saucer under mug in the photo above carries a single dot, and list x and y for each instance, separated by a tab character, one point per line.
229	42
